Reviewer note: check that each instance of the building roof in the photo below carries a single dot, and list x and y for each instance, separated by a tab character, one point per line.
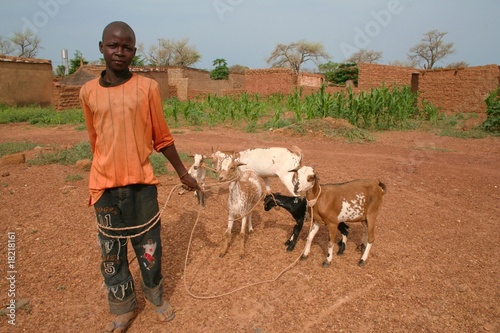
6	58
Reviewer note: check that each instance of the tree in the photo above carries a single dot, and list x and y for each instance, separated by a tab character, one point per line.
60	71
339	73
26	44
170	53
459	64
401	63
368	56
431	49
293	55
221	71
238	69
137	61
6	46
76	62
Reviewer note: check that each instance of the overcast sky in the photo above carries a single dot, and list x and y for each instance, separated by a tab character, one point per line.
245	32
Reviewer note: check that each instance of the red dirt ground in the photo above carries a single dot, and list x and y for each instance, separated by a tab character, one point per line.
434	265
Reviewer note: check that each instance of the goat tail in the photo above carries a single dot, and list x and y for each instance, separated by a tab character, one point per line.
382	187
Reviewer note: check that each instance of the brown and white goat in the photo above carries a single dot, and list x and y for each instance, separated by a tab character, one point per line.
245	191
354	201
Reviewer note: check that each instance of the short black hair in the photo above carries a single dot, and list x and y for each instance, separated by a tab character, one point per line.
118	24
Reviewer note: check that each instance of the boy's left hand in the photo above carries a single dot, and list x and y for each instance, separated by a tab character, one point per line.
189	183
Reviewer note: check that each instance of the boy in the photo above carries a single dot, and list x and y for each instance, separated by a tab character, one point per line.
124	117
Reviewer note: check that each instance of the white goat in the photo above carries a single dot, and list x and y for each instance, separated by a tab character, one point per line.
355	201
198	172
245	191
266	162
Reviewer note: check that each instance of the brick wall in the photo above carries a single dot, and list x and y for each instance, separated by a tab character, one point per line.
66	97
270	81
25	81
192	83
452	90
459	90
374	75
310	80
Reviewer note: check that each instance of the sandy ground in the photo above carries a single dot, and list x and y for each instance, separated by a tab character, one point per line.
434	265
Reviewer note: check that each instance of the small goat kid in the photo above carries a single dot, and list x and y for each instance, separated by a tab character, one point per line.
266	162
245	191
354	201
297	207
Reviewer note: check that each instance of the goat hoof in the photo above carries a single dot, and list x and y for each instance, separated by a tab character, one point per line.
288	242
290	248
325	264
361	263
222	255
302	257
341	248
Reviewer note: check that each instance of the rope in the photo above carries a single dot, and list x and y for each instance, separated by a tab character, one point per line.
236	289
239	288
152	222
311	204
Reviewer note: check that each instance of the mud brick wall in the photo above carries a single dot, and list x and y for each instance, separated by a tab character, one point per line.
374	75
66	97
238	80
25	81
310	80
270	81
459	90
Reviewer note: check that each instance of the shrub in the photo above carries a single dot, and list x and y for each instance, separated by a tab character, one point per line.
492	122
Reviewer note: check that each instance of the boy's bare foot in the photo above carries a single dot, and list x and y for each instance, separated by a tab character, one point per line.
121	323
165	312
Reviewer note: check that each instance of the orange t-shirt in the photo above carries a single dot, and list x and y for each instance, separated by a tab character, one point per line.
125	123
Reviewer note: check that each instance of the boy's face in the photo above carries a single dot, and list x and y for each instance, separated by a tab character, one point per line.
118	48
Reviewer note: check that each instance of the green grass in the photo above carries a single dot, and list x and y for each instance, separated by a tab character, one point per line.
324	128
65	156
73	178
7	148
383	108
160	162
40	116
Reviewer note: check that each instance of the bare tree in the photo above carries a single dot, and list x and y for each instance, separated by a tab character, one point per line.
431	49
170	53
6	46
26	44
459	64
293	55
403	63
368	56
